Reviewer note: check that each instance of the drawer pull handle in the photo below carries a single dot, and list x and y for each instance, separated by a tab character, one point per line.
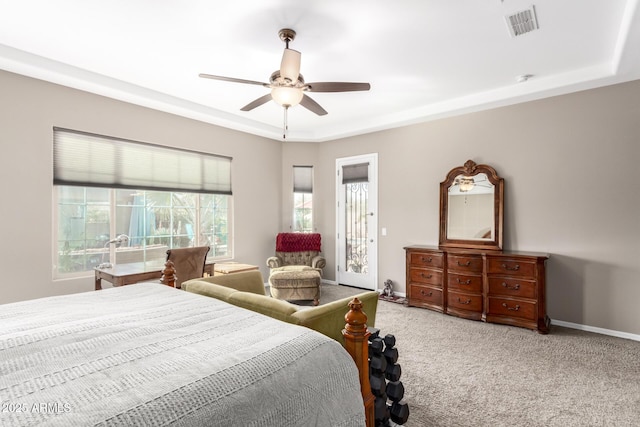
468	301
426	294
466	264
423	259
516	268
464	282
516	308
426	276
514	287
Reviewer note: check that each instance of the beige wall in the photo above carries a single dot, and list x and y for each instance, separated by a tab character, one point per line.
30	108
568	164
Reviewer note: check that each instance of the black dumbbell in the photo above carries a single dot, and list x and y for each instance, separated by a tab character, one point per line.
378	384
389	340
393	371
399	412
391	354
375	346
378	364
381	410
395	390
375	332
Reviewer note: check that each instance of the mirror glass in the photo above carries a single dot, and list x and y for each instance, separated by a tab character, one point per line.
470	213
471	208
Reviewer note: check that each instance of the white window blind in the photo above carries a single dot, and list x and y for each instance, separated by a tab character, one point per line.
303	179
355	173
90	160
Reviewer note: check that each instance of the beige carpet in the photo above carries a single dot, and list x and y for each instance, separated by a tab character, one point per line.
459	372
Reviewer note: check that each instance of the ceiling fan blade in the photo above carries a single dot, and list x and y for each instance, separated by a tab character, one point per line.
233	80
337	87
312	106
290	65
258	102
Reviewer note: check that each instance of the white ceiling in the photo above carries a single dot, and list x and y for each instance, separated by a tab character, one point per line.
425	59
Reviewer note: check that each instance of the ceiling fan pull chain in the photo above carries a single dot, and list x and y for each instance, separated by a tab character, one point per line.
285	125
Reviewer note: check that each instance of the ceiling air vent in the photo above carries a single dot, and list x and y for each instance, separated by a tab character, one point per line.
522	22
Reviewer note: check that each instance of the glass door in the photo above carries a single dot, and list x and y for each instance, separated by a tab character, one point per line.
357	246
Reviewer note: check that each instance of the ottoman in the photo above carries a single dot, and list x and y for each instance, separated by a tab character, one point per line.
295	285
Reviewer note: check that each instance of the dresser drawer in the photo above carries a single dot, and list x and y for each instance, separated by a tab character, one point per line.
468	263
511	267
426	294
424	275
421	259
464	301
464	282
512	308
512	287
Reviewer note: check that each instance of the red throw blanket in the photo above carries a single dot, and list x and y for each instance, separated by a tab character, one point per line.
298	242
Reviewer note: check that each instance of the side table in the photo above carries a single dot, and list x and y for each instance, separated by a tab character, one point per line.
221	268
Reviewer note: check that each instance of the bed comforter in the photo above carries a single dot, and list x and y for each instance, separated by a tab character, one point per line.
148	354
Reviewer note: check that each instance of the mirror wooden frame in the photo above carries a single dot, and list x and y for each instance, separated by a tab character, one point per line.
470	168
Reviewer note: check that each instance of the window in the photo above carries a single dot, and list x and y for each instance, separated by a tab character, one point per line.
98	222
153	222
303	199
303	212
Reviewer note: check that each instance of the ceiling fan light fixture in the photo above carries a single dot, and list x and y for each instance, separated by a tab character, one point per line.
466	184
287	96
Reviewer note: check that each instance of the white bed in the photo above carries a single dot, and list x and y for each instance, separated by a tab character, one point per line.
148	354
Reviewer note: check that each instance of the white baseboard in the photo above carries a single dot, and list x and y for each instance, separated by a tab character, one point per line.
332	282
396	294
596	330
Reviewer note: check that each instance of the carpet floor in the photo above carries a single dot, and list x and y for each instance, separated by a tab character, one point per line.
459	373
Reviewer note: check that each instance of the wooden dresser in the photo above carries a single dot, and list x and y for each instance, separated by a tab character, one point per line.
491	286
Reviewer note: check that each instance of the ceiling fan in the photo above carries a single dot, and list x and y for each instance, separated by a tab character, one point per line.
288	86
467	183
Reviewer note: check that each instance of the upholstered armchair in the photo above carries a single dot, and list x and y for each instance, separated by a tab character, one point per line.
297	251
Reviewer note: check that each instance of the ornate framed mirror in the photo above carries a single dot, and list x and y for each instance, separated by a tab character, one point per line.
471	208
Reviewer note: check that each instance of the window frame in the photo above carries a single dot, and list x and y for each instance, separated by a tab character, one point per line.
302	185
92	161
297	210
112	251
